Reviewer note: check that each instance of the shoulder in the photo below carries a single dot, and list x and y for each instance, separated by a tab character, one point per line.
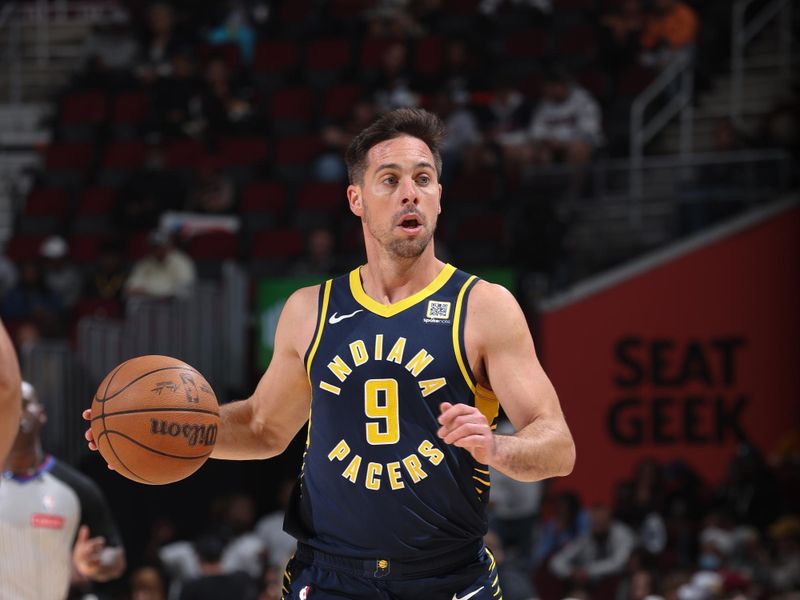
80	483
493	312
303	301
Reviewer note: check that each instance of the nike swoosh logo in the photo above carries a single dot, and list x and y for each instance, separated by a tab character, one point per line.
334	319
470	595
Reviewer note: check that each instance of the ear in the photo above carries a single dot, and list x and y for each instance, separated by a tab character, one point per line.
439	210
354	198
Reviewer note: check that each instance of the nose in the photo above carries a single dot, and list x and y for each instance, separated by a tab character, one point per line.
409	191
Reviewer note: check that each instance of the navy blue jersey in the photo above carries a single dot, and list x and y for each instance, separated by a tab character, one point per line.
376	480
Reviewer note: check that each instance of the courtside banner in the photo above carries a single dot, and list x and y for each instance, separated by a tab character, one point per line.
682	354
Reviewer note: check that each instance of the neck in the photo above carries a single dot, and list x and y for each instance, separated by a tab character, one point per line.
24	460
389	279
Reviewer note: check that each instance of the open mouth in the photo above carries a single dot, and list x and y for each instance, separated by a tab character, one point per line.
411	224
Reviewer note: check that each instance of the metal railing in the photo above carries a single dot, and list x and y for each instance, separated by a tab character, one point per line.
743	33
676	82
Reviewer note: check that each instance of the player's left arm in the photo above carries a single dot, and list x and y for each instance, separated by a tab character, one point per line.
497	333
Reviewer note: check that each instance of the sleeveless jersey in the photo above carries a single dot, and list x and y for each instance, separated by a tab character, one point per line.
376	480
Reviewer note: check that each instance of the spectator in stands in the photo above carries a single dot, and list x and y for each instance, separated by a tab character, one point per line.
463	138
32	301
392	86
750	492
165	272
389	19
271	584
110	53
214	582
148	192
567	123
176	100
279	545
569	522
107	279
621	32
597	557
160	43
785	536
336	137
236	29
670	31
226	102
320	256
514	509
60	275
147	583
213	193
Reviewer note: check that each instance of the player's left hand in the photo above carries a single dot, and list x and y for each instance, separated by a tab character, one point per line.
466	427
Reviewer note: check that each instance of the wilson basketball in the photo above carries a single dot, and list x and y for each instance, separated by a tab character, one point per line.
155	419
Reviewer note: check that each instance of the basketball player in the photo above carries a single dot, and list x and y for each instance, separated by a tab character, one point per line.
9	393
399	367
44	505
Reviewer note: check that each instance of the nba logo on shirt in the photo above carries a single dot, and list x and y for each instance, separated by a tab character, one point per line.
305	592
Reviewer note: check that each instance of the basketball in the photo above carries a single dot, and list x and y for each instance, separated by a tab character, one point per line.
155	419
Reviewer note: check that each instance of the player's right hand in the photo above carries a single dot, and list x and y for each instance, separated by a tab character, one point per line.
87	415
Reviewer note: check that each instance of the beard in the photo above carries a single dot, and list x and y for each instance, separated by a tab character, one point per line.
401	247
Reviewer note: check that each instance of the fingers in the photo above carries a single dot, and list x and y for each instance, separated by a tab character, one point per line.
467	430
83	534
90	438
449	412
87	414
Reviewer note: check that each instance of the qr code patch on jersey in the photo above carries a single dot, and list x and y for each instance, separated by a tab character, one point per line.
438	310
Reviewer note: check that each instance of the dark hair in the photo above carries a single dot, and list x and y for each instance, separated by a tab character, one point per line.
414	122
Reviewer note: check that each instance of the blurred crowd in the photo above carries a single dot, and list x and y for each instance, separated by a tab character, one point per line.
667	534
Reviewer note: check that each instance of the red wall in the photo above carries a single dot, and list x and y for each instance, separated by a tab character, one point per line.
680	360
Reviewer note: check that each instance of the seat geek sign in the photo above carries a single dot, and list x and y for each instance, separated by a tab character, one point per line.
683	355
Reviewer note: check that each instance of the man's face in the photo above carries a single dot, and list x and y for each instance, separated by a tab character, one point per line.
33	415
399	197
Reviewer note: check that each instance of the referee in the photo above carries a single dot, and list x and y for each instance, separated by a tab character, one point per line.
51	518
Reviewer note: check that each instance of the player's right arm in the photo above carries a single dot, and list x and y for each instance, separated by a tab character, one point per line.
264	424
10	391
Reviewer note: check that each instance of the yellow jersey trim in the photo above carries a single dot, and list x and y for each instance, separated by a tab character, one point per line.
326	294
456	344
486	402
390	310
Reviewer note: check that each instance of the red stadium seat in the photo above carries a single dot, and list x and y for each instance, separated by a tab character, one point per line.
263	197
316	196
332	54
429	56
487	227
43	202
348	9
280	243
372	51
74	156
295	103
130	107
124	155
216	245
84	108
24	247
579	42
85	247
530	43
339	100
243	150
634	80
275	56
297	149
184	153
98	307
97	200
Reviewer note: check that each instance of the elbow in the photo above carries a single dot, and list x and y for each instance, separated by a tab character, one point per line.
567	455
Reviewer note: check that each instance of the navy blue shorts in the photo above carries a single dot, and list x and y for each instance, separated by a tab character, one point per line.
317	576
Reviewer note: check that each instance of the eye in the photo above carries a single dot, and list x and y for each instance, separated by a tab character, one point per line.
390	180
424	179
